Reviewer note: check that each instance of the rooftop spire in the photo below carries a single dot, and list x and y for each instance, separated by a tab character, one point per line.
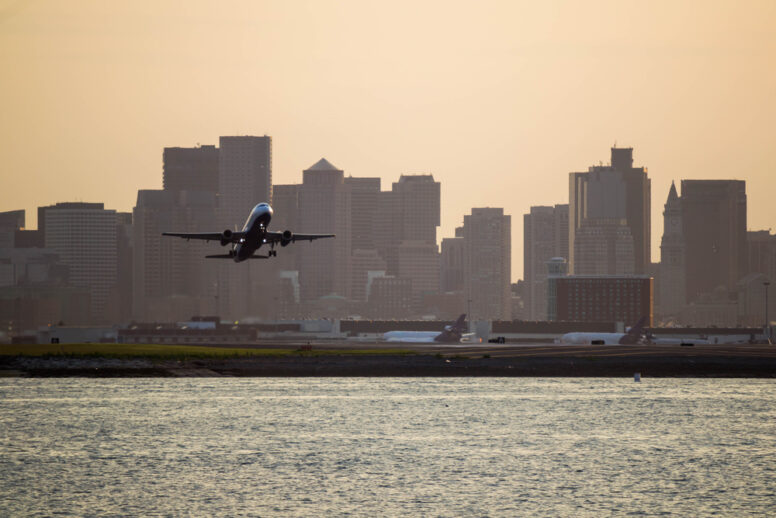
672	196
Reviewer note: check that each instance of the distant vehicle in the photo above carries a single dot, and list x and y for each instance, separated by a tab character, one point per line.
634	335
252	237
450	334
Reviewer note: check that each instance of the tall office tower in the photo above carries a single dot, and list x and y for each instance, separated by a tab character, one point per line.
419	262
197	278
285	203
545	235
364	264
604	247
153	265
244	180
84	237
324	207
410	211
762	254
419	198
388	230
123	293
671	291
608	193
364	194
191	175
10	222
451	262
487	270
714	225
190	169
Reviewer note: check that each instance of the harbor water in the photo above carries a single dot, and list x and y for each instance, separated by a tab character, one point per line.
387	447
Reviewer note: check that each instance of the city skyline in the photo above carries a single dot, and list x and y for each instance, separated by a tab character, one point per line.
98	91
516	276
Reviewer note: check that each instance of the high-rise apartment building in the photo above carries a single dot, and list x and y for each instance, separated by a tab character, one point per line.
545	235
83	235
244	180
714	227
487	267
325	207
606	194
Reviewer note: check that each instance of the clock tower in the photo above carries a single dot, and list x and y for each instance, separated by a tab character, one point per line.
672	298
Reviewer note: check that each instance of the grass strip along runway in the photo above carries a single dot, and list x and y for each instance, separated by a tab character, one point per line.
361	359
174	352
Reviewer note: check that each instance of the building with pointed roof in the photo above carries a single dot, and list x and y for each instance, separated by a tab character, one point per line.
324	207
671	294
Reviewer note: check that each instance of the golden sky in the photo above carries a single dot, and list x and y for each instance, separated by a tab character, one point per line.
500	100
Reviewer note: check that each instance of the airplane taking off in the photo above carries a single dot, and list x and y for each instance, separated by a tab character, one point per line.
632	337
252	237
451	334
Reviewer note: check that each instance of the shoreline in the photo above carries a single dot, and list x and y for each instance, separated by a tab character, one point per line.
571	364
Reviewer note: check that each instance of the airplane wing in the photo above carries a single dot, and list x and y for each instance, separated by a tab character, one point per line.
207	236
278	237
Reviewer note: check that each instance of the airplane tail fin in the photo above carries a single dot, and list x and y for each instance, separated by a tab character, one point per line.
459	325
634	333
452	333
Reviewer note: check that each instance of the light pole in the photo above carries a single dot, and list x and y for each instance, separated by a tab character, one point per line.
767	330
469	313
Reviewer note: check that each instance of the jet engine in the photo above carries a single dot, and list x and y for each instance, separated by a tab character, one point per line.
226	237
286	238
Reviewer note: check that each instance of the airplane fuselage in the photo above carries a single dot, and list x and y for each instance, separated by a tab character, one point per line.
255	229
590	338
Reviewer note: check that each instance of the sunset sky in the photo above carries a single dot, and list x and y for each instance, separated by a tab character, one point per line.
499	100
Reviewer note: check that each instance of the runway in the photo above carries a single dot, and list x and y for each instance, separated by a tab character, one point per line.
538	350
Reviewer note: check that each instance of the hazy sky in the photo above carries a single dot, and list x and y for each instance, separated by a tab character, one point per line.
499	100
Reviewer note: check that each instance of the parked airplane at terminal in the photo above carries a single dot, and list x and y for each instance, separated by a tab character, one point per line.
252	237
634	335
451	334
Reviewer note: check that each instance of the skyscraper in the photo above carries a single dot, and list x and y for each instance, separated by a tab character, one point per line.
545	235
609	194
325	207
487	270
244	180
363	193
672	297
153	263
452	262
419	199
714	227
84	237
285	202
419	262
190	169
